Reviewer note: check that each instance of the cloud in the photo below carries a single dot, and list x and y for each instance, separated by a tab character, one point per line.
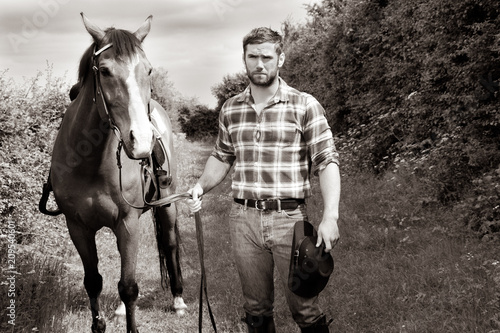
196	41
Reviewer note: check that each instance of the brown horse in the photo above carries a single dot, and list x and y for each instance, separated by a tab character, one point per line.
96	185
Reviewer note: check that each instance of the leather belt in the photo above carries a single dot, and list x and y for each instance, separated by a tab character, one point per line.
271	204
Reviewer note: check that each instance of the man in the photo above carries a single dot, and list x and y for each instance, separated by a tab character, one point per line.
275	136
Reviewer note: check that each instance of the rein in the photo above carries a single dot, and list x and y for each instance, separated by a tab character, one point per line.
146	168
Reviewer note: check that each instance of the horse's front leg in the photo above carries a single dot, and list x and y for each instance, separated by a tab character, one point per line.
93	285
168	239
84	240
128	235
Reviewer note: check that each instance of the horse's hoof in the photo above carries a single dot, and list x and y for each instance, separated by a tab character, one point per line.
179	306
120	310
99	326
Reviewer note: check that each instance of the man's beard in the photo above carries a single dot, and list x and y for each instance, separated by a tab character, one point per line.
271	77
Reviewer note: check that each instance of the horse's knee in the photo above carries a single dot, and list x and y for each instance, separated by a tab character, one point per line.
93	285
128	293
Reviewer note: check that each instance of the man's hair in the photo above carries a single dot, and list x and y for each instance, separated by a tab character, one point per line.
264	35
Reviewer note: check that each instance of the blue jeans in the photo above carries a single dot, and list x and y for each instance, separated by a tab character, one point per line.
262	240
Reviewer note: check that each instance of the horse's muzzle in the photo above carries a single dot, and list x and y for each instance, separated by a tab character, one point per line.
137	146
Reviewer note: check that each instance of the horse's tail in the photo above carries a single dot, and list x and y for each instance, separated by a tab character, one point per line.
165	251
161	251
42	205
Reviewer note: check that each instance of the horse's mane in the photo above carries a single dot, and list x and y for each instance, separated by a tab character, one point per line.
124	43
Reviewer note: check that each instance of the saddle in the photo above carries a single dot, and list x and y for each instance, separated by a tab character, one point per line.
160	153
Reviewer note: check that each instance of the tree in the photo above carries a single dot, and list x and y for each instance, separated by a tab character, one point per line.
199	122
406	80
231	85
163	92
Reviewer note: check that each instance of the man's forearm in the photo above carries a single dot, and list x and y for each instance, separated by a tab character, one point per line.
329	179
214	173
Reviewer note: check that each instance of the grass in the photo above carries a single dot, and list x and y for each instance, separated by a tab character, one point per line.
400	267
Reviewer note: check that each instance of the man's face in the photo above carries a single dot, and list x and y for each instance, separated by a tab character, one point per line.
262	63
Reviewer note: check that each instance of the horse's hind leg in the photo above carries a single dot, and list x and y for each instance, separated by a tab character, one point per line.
84	240
167	235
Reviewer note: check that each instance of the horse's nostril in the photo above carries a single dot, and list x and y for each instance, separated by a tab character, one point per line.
132	137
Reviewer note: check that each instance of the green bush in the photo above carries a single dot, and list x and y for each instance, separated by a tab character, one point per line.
411	84
198	123
30	115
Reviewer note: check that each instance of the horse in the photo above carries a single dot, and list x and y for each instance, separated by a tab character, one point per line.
113	153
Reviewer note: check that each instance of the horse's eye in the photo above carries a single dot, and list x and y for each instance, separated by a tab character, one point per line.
150	71
105	71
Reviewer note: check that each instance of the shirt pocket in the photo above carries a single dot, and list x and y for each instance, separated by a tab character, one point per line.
288	135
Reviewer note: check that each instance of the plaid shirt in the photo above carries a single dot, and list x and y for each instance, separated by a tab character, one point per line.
274	151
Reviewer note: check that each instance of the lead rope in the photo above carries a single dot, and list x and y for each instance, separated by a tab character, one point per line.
199	236
203	283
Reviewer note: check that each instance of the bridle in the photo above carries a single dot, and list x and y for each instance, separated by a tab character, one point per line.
146	163
99	100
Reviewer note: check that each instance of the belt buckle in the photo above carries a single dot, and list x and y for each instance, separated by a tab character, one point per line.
263	205
257	205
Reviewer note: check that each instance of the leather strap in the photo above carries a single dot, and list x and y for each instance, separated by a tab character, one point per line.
274	204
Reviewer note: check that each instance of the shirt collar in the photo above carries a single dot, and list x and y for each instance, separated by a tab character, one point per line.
280	96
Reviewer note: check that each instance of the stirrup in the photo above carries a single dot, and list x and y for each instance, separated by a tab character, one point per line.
42	205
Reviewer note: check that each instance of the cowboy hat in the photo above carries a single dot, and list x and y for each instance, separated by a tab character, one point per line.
310	266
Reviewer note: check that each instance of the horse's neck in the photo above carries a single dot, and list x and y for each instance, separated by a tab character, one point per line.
85	130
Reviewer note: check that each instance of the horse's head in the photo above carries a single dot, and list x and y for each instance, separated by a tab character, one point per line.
122	75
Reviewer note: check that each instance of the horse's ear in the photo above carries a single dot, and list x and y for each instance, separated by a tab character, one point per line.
143	30
96	32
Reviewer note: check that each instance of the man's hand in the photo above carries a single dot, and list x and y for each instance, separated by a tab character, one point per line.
328	232
195	202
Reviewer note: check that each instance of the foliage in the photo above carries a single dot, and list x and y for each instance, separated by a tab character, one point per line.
231	85
163	92
30	118
199	122
39	278
407	83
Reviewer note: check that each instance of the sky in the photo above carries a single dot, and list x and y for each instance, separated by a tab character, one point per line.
197	42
